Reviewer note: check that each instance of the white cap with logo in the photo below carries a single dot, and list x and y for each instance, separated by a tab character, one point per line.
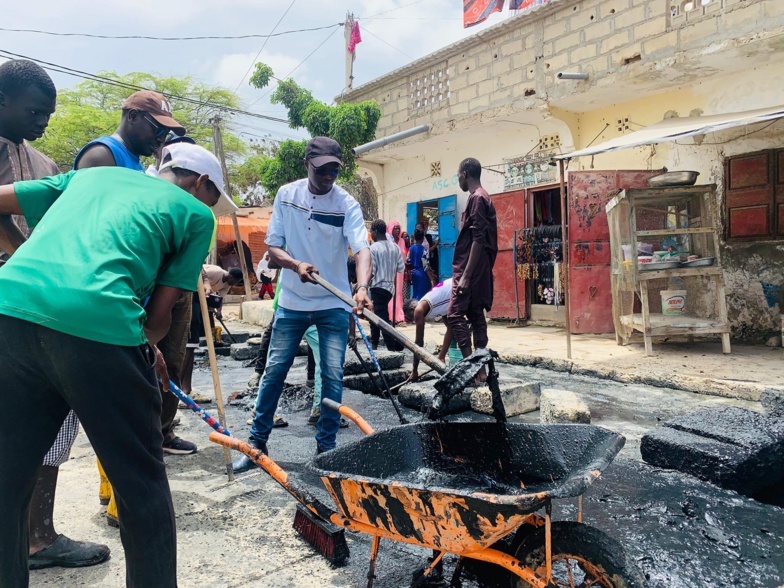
197	159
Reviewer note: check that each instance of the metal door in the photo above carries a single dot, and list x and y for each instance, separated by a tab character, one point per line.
510	213
412	217
447	234
590	293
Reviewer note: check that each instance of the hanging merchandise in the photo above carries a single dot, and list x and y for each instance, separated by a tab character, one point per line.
477	11
356	37
539	257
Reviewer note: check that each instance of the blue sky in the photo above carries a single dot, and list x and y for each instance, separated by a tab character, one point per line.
407	30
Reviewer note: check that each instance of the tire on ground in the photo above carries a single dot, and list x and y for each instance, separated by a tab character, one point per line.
586	543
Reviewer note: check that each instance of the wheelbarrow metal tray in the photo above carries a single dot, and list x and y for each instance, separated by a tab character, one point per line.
460	487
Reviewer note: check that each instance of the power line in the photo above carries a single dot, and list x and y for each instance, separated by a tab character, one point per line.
264	45
112	82
367	30
151	38
391	10
267	93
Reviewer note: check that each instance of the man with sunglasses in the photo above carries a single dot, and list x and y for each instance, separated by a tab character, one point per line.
313	224
145	123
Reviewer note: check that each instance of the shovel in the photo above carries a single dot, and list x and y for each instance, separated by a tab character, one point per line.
424	356
453	380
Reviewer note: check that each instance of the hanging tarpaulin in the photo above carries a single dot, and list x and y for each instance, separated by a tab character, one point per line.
476	11
523	5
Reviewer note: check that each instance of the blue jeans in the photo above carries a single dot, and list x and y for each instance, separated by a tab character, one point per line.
287	330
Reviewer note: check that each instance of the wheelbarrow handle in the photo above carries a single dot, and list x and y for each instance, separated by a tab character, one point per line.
426	357
349	414
266	463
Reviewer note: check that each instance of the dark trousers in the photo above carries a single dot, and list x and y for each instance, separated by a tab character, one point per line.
261	358
172	346
381	298
463	310
114	393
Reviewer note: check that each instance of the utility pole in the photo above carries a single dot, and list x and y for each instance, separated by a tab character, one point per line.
217	142
348	26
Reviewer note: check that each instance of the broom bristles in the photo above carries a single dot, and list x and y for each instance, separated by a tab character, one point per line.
326	538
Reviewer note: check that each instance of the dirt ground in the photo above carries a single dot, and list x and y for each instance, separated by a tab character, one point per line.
682	532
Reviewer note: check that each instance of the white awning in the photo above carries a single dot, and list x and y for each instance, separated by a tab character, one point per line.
677	128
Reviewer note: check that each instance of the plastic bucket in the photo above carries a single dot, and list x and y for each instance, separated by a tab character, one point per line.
454	355
673	301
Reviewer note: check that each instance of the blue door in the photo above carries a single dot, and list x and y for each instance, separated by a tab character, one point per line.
412	214
447	233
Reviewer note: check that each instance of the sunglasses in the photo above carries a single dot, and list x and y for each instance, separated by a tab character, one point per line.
326	172
160	130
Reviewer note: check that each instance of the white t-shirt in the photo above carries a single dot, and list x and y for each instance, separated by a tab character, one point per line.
438	298
318	230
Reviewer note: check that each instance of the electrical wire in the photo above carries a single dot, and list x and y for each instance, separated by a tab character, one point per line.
268	92
391	10
406	186
112	82
277	24
367	30
151	38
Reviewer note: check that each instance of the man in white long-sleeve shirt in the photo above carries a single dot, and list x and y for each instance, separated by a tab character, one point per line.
313	224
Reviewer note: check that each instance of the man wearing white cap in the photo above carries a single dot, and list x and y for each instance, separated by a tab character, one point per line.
119	238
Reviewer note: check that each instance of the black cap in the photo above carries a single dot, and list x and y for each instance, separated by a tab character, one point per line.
323	150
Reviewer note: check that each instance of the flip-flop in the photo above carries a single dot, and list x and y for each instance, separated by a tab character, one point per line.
67	553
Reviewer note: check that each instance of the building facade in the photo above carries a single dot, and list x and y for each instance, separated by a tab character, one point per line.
497	96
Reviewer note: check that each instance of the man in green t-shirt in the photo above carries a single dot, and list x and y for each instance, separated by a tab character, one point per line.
122	246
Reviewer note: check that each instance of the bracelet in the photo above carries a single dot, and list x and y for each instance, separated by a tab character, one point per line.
358	286
298	263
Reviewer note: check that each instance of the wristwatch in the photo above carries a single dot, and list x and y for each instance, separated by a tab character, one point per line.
358	286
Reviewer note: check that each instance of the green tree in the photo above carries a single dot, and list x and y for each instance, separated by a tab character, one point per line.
349	124
92	108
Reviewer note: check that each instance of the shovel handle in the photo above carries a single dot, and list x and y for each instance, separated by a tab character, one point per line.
427	358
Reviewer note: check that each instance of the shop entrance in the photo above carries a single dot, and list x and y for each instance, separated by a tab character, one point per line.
543	246
440	219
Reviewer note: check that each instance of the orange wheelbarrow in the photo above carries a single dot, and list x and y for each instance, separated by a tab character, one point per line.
459	488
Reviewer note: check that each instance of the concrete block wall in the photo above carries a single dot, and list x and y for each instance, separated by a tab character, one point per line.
518	60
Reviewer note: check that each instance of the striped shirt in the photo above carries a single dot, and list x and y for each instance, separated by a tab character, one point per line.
387	263
317	229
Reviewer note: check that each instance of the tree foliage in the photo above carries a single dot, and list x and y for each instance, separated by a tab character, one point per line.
349	124
91	109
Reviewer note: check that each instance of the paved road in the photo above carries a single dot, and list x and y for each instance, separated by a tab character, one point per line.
683	533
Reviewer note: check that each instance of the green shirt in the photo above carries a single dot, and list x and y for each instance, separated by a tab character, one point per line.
104	238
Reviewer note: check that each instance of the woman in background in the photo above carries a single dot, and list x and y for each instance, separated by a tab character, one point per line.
396	304
417	258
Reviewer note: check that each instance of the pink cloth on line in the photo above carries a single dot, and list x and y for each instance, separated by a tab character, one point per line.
356	37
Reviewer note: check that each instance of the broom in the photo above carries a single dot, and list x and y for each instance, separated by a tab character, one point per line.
311	521
326	538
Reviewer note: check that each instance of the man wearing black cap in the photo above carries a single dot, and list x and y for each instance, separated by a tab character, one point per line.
313	224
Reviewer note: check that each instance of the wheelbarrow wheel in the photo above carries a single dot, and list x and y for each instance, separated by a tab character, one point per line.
582	557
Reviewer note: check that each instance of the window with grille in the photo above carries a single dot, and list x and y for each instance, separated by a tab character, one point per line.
754	195
686	11
429	90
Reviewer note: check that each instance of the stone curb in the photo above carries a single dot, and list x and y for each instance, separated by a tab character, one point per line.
709	386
